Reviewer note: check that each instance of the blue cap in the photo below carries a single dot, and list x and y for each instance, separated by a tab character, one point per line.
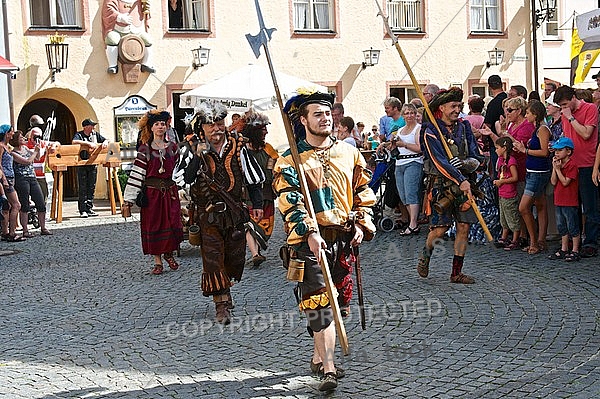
563	142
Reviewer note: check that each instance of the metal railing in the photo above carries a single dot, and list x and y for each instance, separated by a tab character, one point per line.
405	15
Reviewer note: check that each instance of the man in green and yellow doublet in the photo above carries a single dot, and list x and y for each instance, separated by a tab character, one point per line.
337	180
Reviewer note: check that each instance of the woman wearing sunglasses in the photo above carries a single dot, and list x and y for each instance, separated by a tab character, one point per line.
539	169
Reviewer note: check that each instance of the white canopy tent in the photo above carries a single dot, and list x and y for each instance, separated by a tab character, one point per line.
248	87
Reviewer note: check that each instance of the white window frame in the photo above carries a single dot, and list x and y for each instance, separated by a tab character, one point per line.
547	25
305	20
53	6
405	15
480	16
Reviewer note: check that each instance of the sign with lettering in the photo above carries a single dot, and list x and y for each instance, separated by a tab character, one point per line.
134	105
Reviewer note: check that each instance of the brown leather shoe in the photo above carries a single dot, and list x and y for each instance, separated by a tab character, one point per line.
462	279
423	266
328	383
222	313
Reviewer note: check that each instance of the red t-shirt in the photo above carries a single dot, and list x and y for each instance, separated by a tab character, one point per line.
568	195
585	150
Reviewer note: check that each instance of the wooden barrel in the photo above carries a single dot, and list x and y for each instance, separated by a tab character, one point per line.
131	49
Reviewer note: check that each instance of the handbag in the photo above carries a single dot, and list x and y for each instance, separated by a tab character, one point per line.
142	198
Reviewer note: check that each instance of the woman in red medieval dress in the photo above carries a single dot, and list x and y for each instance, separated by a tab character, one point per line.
151	175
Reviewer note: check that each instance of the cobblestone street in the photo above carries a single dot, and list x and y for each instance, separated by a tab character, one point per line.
82	317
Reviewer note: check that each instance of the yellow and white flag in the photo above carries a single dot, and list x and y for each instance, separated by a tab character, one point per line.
583	55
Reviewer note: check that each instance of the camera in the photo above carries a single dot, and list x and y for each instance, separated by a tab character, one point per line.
13	75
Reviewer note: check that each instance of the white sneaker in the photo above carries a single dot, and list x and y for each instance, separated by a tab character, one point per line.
84	214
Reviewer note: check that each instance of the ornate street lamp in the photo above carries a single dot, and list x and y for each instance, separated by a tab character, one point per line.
200	57
496	57
371	57
57	53
545	12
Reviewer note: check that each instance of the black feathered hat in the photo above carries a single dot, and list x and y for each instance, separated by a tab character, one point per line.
154	117
446	96
294	106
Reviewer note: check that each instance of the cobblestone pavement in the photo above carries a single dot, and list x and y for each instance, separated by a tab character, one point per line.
83	318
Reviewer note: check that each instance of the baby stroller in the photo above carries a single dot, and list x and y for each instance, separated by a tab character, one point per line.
386	192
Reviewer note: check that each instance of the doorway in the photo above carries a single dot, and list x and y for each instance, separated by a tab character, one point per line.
62	127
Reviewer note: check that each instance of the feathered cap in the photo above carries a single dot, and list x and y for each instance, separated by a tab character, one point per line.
446	96
257	119
294	106
210	111
154	117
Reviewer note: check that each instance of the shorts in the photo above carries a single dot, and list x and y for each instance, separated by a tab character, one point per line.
567	220
11	185
510	218
535	183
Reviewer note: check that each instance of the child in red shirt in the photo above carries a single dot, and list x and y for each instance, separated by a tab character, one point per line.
564	178
507	192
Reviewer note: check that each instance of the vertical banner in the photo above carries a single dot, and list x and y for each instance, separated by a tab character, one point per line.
583	52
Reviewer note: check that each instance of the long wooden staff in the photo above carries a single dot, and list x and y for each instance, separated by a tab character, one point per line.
430	114
256	42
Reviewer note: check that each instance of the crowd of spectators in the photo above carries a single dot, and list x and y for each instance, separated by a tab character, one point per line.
522	136
22	180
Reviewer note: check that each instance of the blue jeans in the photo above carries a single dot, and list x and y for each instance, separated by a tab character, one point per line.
408	182
588	194
566	221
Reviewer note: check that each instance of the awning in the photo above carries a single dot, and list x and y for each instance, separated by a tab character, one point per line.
7	66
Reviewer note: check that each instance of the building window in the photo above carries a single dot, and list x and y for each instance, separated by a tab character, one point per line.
404	94
481	91
405	15
485	16
550	26
188	15
55	13
313	15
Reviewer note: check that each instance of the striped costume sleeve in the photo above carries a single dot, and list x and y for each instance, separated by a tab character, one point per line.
136	176
253	173
183	162
290	202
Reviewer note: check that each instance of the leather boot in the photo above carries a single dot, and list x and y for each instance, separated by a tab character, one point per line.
222	313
